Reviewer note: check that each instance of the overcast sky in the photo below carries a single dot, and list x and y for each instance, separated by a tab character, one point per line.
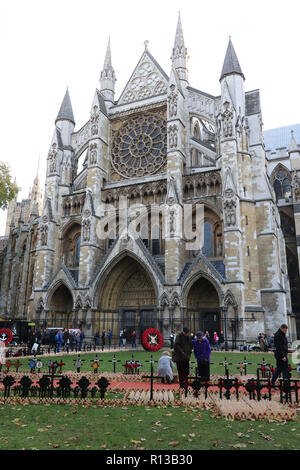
47	45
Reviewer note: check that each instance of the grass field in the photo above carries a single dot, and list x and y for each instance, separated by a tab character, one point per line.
143	356
66	427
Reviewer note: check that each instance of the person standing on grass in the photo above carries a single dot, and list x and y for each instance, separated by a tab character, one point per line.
281	354
202	351
183	347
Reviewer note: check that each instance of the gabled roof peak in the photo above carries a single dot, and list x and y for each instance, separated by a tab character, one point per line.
231	63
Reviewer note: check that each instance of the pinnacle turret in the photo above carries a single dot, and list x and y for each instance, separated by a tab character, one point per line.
66	112
231	63
108	77
179	53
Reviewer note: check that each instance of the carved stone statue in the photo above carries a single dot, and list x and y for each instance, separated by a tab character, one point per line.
44	234
93	153
86	230
94	120
172	100
230	213
173	136
53	159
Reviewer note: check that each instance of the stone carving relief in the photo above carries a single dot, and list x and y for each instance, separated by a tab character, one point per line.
93	153
44	231
173	136
53	158
146	82
140	146
172	100
227	117
230	212
86	226
94	121
296	187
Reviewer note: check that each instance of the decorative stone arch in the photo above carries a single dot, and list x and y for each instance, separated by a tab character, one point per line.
229	299
66	227
54	286
175	300
164	301
81	150
194	278
78	303
281	180
63	314
87	302
104	273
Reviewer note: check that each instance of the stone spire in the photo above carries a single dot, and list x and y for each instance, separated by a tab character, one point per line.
66	112
108	77
179	54
231	63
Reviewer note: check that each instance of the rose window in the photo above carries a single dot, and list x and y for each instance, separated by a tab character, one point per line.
140	146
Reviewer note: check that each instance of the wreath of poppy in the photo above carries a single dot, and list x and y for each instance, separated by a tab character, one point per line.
5	333
156	344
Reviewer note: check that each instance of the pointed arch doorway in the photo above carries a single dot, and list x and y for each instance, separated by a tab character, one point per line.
127	300
203	308
61	312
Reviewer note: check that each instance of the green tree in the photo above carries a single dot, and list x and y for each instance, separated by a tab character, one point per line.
8	189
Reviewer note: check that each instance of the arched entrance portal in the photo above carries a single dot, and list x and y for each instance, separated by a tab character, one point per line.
127	300
203	308
61	309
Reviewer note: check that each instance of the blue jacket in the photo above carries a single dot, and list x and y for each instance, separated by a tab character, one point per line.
202	349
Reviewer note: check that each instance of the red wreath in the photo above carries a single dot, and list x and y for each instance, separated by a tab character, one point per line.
8	334
146	343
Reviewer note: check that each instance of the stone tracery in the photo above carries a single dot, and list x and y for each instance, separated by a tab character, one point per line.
140	146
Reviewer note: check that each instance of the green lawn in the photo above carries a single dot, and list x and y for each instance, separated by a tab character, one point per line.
143	356
66	427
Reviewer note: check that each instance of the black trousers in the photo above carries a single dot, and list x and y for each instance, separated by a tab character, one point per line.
204	371
183	368
281	367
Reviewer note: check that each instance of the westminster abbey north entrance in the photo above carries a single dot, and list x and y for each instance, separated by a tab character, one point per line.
127	300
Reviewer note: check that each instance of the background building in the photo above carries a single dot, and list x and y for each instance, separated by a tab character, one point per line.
163	144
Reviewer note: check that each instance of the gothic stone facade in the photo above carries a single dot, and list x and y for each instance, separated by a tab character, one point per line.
165	146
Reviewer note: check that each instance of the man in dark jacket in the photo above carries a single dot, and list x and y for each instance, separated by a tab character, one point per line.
281	354
181	355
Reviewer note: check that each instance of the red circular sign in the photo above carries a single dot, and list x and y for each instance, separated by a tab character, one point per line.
6	336
152	340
